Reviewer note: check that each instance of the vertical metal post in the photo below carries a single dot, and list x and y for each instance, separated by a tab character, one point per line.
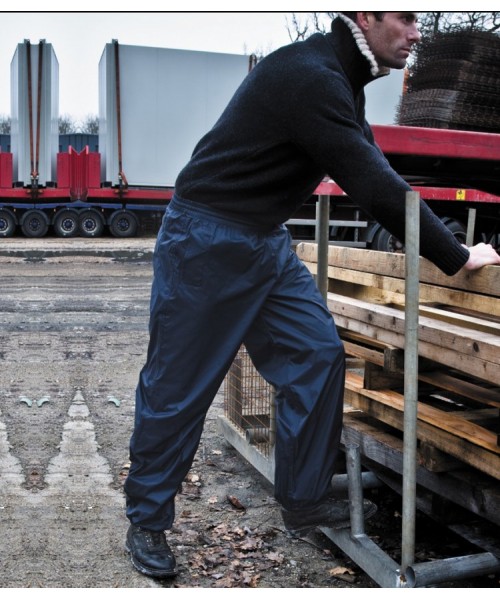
412	256
355	488
322	231
471	224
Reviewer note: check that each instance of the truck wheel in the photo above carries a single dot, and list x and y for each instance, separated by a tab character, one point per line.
456	228
123	223
35	223
66	223
91	223
7	223
386	242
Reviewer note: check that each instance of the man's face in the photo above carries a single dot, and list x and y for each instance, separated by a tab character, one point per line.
392	38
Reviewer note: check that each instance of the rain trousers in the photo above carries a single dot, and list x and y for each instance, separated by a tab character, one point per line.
219	283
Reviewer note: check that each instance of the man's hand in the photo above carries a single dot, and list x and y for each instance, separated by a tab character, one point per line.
480	256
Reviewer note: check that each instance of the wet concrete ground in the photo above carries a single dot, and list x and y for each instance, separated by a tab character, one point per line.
73	334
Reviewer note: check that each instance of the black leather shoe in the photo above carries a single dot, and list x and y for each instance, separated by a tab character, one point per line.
150	552
331	513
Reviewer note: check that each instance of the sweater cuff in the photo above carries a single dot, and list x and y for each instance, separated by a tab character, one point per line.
451	262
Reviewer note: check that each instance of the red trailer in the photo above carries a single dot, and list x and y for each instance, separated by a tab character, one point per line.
456	172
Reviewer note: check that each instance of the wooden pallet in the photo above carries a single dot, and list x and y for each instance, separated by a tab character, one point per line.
459	351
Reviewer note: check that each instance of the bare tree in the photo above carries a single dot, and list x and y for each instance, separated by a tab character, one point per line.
90	124
5	124
67	124
302	25
444	22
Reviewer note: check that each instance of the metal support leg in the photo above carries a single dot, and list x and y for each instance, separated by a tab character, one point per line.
355	489
322	231
471	225
412	259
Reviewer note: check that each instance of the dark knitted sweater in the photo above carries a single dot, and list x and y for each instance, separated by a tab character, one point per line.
300	115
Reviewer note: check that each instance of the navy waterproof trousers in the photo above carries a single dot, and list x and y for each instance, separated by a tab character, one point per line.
217	284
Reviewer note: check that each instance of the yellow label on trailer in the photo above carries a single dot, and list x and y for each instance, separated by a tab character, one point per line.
460	195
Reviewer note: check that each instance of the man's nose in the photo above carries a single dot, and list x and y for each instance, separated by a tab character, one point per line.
414	34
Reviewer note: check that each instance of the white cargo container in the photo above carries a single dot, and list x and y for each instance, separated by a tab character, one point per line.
33	152
168	99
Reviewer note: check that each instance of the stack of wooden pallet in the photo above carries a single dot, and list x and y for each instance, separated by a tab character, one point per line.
459	353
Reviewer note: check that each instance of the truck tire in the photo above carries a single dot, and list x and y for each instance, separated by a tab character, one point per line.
7	223
66	223
123	223
456	228
386	242
91	223
34	223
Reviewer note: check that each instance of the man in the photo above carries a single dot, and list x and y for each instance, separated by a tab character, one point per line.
225	273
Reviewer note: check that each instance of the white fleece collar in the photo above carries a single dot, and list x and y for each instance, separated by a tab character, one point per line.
362	44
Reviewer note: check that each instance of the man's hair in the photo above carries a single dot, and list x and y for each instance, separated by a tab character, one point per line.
352	15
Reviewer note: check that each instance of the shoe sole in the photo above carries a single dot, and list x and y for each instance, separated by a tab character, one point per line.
146	570
345	524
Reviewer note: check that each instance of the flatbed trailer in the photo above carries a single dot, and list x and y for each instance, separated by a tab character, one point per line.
456	172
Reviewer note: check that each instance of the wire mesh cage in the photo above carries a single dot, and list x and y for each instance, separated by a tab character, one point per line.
249	403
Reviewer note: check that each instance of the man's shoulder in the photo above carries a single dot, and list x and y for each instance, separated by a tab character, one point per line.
307	60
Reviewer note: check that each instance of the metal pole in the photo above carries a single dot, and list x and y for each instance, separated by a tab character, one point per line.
355	488
451	569
322	229
412	254
471	224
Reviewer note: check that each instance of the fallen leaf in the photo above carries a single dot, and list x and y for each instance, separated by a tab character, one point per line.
343	573
235	502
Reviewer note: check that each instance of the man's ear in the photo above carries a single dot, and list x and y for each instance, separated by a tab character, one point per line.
363	21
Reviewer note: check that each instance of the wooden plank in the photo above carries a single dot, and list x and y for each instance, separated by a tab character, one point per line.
467	452
466	388
390	290
481	369
447	315
460	339
483	281
436	460
438	378
458	426
474	353
376	378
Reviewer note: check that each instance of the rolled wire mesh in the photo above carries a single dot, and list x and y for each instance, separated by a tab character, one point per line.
454	83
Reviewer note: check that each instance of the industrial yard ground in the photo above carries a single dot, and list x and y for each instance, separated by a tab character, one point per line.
73	330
